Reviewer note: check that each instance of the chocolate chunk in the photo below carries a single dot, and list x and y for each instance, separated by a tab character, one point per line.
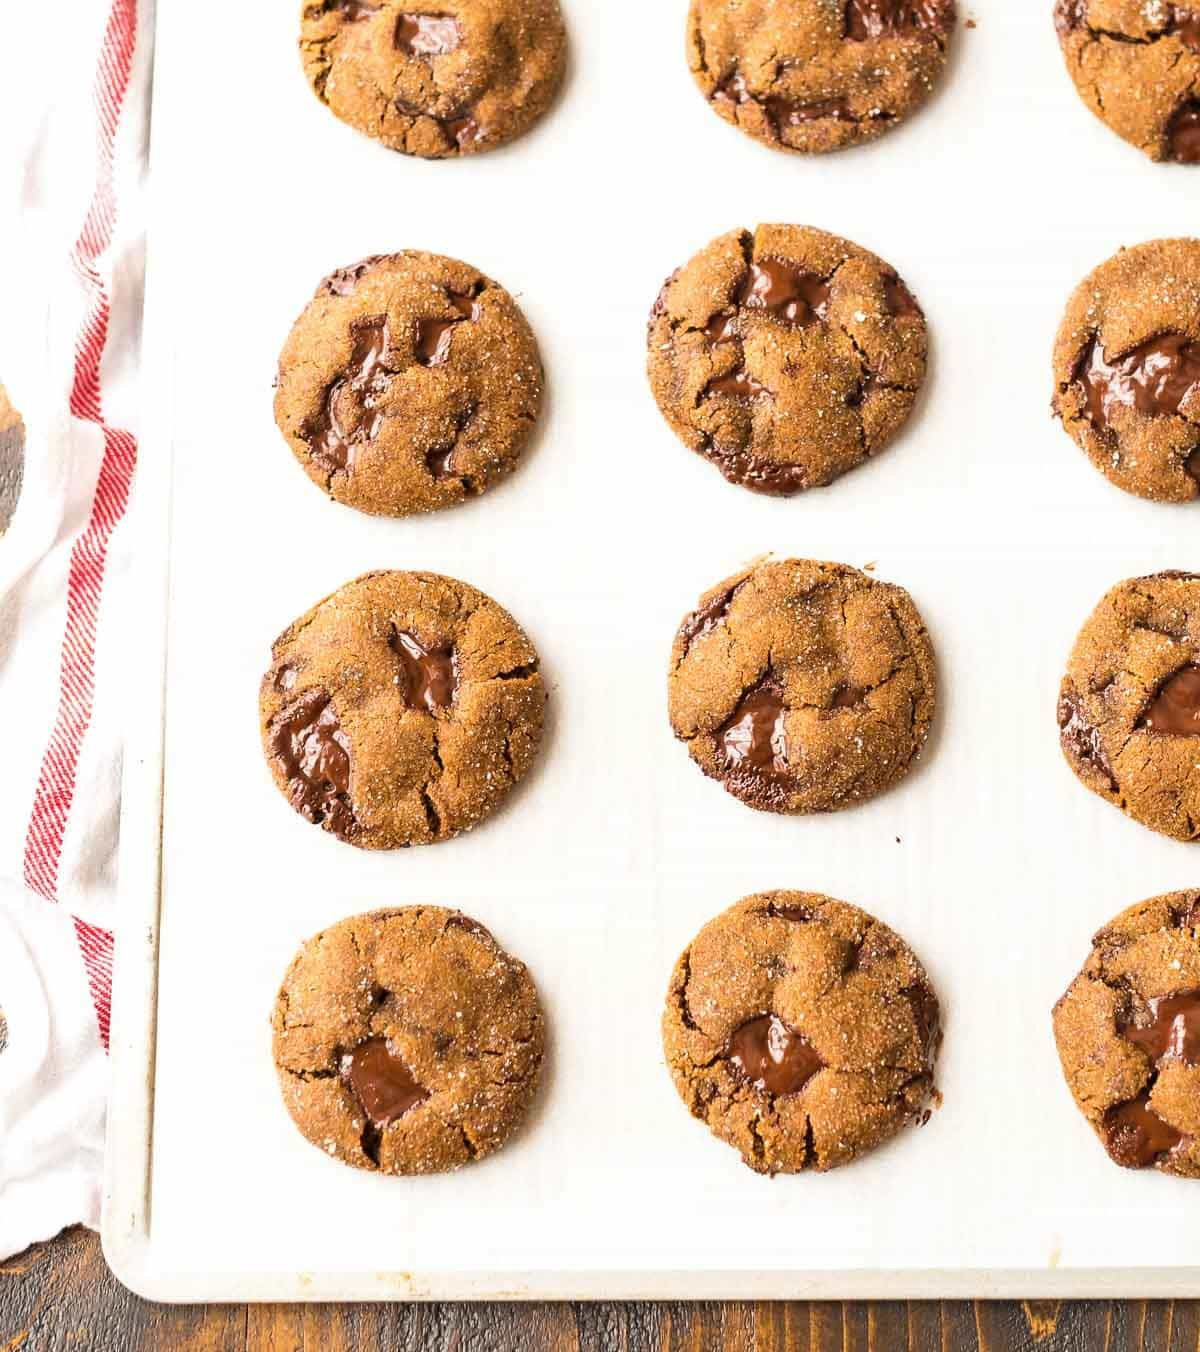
429	676
738	384
1156	377
1183	133
1185	24
900	301
847	697
1135	1136
347	417
434	335
463	130
720	329
773	1056
799	915
344	280
755	738
869	19
1068	16
785	291
1080	739
927	1016
1173	1032
308	739
382	1083
786	113
427	34
1175	709
351	10
707	617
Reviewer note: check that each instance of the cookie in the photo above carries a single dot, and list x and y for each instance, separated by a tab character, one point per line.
401	710
12	459
786	357
463	77
802	686
802	1030
817	75
1129	705
1127	369
1136	64
407	1041
1128	1035
410	383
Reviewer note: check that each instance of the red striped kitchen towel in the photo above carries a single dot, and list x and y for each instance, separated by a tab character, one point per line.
73	142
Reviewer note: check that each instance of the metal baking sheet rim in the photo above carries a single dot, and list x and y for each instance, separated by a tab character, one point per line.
126	1235
126	1227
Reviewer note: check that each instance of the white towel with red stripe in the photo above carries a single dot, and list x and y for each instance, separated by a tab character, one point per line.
72	169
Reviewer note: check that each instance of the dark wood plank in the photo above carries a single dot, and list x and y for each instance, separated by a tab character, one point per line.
61	1296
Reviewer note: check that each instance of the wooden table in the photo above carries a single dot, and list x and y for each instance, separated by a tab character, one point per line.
61	1296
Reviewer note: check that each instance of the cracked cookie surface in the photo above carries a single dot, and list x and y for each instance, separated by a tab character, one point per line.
457	77
802	1031
410	383
1127	369
1128	1036
1136	64
786	357
803	686
1129	704
817	75
401	710
407	1041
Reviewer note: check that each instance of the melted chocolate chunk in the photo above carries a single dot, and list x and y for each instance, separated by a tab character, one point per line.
1135	1136
1068	16
1173	1032
702	621
722	329
429	676
348	417
463	130
900	301
785	291
797	914
927	1016
1155	378
847	697
434	335
1080	739
1183	133
757	473
781	112
352	10
755	739
1175	709
772	1056
869	19
307	739
1192	464
1185	24
344	280
738	384
382	1083
427	35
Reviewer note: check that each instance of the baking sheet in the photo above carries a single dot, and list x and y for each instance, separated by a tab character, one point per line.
991	860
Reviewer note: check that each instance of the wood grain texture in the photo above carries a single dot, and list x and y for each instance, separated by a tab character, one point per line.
61	1296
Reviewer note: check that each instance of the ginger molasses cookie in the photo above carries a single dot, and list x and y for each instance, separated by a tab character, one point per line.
12	459
410	383
1128	1035
803	686
407	1041
1127	369
802	1030
817	75
1129	706
401	710
453	78
1136	64
786	357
